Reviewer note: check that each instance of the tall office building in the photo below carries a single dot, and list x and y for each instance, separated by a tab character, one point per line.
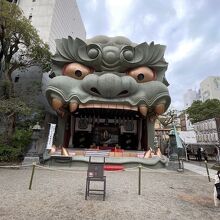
189	97
210	88
54	19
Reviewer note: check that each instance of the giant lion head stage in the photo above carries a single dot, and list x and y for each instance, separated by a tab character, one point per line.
108	90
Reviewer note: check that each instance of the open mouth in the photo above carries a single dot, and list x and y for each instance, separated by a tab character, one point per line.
108	110
104	109
107	123
104	124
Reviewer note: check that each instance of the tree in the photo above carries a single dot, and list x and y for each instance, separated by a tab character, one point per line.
200	111
9	109
167	118
20	45
20	48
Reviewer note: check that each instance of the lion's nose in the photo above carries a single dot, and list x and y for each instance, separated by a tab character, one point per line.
108	85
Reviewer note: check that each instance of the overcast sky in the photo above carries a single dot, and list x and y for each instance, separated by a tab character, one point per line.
189	28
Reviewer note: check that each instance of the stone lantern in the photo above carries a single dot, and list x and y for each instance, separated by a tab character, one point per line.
172	152
33	151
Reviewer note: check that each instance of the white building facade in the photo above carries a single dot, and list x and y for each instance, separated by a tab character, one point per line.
54	19
210	88
207	131
189	97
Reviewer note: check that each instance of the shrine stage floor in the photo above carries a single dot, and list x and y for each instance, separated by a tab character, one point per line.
80	157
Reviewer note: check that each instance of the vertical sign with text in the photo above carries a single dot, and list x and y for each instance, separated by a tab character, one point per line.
50	136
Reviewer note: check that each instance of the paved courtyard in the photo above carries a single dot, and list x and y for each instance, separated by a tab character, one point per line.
60	195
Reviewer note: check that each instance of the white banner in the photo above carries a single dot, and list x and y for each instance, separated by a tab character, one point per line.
50	136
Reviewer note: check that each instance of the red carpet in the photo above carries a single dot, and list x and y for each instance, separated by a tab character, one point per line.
113	167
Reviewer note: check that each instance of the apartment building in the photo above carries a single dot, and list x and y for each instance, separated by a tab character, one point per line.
210	88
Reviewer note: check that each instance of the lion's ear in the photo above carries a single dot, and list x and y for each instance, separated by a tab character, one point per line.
165	82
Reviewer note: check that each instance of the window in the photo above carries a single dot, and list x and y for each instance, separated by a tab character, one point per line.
33	0
17	78
30	17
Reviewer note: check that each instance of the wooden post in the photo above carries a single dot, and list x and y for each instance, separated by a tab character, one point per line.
139	179
32	175
207	170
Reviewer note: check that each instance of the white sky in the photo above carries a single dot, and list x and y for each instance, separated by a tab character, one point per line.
189	28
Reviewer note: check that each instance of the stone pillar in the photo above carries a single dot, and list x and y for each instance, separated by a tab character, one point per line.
72	130
139	130
60	130
150	133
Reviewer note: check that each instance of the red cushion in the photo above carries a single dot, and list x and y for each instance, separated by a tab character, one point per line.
113	167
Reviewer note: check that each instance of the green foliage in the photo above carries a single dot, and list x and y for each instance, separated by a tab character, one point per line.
21	138
26	122
167	118
20	45
20	48
15	148
200	111
13	105
6	88
9	154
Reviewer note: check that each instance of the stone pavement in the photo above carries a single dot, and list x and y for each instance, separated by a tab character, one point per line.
199	168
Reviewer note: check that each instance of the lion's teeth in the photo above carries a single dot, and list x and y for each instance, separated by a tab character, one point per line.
56	103
89	105
112	106
82	106
73	106
107	106
126	107
143	110
104	106
134	108
96	105
160	109
118	106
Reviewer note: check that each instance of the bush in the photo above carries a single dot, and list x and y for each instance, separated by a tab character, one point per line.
15	149
21	138
9	154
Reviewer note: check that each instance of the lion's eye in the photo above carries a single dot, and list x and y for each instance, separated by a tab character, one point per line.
142	74
76	70
78	73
